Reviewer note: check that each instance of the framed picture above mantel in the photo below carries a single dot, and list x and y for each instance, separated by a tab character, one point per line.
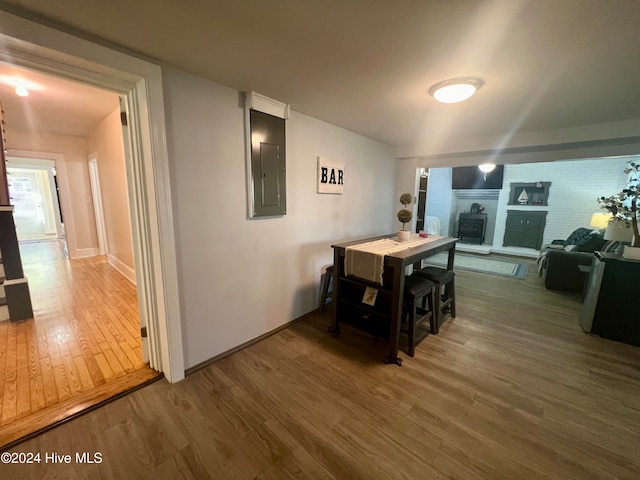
535	194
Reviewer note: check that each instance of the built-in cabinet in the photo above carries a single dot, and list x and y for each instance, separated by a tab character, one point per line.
610	307
536	194
524	228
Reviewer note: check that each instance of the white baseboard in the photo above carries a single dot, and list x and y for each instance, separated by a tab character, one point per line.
127	271
467	247
84	252
517	251
487	249
4	313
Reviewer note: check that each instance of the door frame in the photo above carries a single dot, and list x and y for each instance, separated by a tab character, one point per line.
40	168
30	45
39	161
96	193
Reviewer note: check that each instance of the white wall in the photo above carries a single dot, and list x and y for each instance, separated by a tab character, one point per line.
406	180
106	141
439	198
240	277
575	187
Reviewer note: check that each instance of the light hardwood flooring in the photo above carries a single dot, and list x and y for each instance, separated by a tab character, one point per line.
510	389
82	346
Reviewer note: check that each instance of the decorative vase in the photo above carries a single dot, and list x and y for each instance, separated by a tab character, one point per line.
632	253
403	235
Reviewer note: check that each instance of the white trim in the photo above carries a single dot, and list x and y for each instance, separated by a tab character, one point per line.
255	101
4	313
29	45
128	272
258	102
6	208
251	212
96	192
15	281
85	252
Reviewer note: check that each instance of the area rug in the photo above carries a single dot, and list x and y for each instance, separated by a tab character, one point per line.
482	265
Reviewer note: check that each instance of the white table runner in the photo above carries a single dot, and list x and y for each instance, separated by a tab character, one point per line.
366	260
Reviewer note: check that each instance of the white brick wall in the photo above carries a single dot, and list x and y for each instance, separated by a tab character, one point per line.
439	199
575	187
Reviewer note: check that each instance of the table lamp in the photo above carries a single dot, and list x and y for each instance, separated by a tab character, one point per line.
618	232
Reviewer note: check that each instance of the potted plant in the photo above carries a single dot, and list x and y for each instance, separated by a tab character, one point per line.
404	216
624	208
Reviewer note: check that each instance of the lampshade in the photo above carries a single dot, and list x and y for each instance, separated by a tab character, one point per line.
600	220
619	231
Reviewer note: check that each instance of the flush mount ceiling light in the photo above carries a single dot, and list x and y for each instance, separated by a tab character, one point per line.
22	91
455	90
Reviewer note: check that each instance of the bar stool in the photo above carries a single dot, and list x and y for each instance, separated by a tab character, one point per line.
417	289
326	282
443	301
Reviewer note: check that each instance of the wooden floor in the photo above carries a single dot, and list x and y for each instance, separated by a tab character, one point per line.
82	346
510	389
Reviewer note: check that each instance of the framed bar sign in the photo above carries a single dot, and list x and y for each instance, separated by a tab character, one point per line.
330	176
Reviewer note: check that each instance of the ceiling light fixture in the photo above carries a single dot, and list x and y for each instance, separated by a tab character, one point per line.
22	91
486	168
455	90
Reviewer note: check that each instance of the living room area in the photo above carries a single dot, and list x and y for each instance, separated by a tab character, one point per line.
517	211
570	188
548	218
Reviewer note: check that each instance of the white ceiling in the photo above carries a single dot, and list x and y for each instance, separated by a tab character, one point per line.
367	65
53	105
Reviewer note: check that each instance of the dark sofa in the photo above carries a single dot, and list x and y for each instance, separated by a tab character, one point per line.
559	262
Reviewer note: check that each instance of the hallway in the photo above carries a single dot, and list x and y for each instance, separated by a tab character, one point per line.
82	347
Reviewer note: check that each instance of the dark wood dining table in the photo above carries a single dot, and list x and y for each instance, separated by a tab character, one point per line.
382	319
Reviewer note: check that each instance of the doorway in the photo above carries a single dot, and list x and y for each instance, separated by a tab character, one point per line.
84	342
29	45
33	193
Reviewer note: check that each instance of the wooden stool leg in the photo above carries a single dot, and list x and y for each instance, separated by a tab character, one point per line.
453	298
412	326
432	320
436	308
325	290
